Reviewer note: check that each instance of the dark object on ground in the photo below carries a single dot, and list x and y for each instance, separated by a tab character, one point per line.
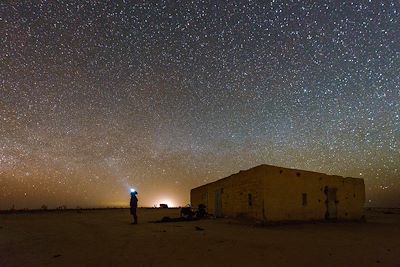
201	211
199	228
169	219
163	206
189	213
57	255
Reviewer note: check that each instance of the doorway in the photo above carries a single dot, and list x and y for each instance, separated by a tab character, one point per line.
331	203
218	203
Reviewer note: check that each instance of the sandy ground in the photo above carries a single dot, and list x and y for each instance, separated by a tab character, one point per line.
106	238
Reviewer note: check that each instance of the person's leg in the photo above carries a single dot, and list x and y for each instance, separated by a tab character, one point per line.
134	216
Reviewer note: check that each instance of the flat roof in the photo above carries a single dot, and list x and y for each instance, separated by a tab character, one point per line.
266	166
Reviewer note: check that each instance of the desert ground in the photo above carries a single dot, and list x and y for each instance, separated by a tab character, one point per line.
106	238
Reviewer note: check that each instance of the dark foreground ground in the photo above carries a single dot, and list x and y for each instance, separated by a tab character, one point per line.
106	238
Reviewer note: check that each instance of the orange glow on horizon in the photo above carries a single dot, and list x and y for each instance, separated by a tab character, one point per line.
165	200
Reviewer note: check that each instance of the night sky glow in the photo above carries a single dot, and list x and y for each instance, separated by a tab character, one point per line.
96	98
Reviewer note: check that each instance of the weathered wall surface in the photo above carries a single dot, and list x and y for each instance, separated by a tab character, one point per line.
270	193
241	195
352	199
284	189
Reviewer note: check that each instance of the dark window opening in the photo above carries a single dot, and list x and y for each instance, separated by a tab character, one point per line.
250	199
304	195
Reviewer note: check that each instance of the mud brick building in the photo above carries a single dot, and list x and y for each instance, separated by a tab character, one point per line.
269	193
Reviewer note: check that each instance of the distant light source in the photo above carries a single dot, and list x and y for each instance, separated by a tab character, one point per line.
133	190
165	201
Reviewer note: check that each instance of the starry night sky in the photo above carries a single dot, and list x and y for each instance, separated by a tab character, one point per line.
96	97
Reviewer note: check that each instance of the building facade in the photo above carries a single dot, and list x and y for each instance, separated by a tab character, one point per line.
268	193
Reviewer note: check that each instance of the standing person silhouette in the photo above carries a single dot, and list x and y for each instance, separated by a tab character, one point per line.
133	203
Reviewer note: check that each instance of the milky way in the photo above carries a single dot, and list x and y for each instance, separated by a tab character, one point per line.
97	97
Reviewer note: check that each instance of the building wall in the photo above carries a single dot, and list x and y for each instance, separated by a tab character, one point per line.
235	191
277	195
284	189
